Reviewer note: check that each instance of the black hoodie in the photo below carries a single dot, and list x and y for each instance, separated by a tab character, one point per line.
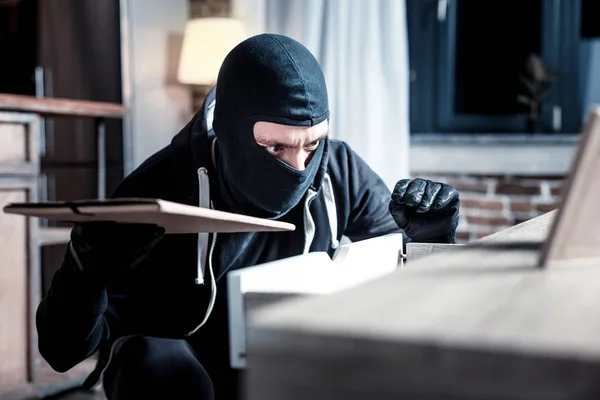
163	296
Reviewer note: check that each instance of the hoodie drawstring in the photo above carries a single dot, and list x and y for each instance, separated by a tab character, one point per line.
309	223
203	252
331	210
204	202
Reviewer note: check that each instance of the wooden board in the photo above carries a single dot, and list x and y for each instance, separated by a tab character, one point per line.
174	217
476	323
414	250
61	107
536	229
14	293
576	231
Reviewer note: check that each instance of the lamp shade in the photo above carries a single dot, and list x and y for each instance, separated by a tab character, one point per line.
206	42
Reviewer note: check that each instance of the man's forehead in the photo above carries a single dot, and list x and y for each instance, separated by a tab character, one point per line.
272	130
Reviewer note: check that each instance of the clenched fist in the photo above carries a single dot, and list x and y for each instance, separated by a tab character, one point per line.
426	211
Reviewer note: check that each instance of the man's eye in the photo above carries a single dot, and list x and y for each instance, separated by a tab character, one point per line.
313	145
274	149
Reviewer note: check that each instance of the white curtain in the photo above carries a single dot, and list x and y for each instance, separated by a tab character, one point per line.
362	46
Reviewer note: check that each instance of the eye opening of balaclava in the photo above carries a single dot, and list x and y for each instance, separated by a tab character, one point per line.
269	78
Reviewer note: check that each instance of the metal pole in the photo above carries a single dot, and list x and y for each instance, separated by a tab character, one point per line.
101	143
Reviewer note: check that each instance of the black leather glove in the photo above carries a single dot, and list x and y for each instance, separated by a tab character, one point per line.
107	249
426	211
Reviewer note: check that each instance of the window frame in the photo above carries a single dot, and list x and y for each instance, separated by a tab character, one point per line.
431	54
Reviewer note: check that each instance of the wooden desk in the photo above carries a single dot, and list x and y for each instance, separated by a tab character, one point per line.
481	322
23	373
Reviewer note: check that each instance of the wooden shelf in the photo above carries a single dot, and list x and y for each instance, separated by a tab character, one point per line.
61	107
23	373
31	169
53	236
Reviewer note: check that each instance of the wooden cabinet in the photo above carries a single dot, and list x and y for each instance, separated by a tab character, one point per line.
23	372
13	293
19	265
19	137
13	144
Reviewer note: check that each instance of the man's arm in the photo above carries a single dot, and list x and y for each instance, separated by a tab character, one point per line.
74	317
369	201
422	210
70	319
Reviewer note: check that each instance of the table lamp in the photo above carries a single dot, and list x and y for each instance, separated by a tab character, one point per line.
206	42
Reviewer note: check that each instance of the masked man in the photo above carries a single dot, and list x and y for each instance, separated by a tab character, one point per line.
139	297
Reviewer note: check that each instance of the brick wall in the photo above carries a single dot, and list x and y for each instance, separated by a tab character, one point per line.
492	203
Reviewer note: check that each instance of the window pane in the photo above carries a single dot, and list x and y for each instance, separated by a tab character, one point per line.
17	46
590	9
493	40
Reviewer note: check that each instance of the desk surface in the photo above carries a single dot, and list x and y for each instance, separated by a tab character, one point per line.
473	323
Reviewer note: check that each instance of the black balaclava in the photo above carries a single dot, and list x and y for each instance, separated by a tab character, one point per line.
270	78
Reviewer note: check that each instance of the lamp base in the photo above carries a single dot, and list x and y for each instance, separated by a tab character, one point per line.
199	93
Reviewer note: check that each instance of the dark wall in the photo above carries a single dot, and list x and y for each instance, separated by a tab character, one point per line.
79	49
77	44
18	46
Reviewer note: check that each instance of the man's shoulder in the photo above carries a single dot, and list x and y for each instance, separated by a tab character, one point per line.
346	165
337	160
337	146
343	160
338	152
